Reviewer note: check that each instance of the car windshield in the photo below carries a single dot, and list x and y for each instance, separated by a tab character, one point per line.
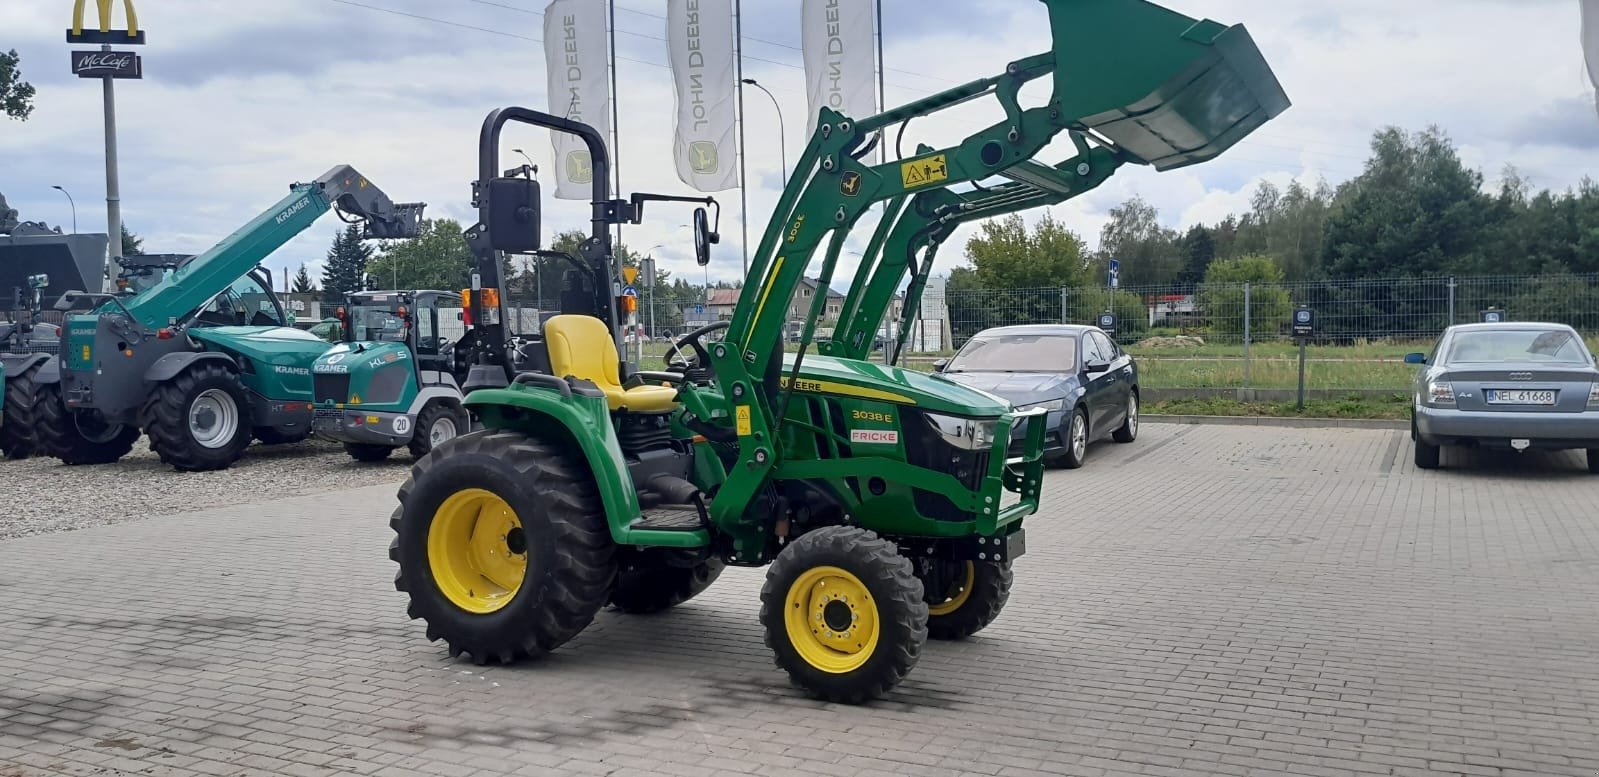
378	324
1017	353
1557	346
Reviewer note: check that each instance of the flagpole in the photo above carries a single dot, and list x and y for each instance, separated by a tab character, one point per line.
882	95
743	183
616	133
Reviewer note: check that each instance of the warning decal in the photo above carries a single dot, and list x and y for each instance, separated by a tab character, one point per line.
743	420
921	172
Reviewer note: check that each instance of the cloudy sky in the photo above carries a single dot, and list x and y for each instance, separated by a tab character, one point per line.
239	103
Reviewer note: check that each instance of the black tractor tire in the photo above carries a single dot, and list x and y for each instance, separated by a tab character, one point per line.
973	598
564	540
166	417
1070	457
881	585
18	439
273	436
77	438
445	410
361	451
655	587
1427	456
1128	431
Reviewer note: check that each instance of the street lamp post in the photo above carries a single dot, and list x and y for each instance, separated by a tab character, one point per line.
74	205
782	143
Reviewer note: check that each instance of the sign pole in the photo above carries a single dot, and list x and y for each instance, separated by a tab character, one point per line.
113	194
1301	374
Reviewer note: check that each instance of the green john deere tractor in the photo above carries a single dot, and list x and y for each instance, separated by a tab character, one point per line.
394	384
887	504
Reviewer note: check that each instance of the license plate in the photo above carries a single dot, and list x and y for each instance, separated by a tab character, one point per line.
1519	397
324	413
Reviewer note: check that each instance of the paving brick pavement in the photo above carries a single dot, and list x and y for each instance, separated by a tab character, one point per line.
1208	600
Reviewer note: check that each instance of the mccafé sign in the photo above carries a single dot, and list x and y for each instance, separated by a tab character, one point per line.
99	64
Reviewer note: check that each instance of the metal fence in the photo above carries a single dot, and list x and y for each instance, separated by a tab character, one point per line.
1238	336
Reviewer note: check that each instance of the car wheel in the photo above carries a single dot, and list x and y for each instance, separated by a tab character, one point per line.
1075	442
1129	428
1427	456
1593	460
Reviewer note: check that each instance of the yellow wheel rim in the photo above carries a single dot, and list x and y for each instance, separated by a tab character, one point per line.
831	620
959	592
477	551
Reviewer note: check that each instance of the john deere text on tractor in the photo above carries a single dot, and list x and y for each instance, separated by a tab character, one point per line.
201	360
885	501
396	383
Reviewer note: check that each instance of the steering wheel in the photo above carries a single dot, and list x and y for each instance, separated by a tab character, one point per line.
676	360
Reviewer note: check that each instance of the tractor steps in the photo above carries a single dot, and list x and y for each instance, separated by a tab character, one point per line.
671	518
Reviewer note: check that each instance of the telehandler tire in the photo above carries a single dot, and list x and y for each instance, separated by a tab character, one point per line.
843	614
361	451
200	419
18	439
503	546
77	438
656	587
974	593
439	421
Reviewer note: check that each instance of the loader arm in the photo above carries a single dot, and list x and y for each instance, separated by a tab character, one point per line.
1150	85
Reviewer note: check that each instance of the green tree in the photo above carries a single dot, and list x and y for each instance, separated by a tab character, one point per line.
437	258
1147	251
16	95
345	269
1016	274
1221	298
302	282
132	244
1198	249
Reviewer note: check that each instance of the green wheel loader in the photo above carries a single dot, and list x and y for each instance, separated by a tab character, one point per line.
25	345
201	360
887	505
396	383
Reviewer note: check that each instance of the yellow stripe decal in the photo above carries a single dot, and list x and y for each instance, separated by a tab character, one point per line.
844	389
771	280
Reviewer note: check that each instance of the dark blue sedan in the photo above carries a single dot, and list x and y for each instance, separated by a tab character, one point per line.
1087	382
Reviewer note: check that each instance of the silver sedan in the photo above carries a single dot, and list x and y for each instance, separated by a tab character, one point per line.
1512	385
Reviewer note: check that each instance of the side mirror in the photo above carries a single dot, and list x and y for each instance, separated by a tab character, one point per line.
1415	358
1095	365
703	238
940	365
514	215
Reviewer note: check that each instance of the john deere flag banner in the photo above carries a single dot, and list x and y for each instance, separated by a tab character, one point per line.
1590	40
576	56
699	34
840	67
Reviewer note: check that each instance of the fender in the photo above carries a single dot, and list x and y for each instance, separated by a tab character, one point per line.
583	423
49	369
167	367
429	394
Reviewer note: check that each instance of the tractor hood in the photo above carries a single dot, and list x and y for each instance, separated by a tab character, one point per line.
279	356
865	380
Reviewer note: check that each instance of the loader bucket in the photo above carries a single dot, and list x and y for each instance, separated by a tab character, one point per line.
1170	90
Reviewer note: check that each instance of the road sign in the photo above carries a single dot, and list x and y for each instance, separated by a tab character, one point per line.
699	309
629	274
1492	316
629	291
1115	273
1304	322
1107	322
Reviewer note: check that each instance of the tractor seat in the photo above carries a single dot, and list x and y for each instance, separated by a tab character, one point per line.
581	346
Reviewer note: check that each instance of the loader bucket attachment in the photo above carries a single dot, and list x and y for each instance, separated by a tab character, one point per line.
1167	89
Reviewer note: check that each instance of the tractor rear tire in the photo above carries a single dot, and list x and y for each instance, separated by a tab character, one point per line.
976	593
18	439
503	546
361	451
269	435
199	420
437	423
657	587
77	437
843	614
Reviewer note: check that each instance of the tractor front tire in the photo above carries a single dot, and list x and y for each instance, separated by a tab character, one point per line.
974	593
361	451
843	614
503	546
18	439
199	420
437	423
77	437
653	587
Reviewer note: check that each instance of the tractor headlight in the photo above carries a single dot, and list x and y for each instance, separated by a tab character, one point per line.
1052	405
970	434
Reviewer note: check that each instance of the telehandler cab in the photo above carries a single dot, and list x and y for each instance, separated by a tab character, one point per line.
886	502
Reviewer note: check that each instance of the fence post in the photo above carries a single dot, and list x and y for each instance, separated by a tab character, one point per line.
1451	300
1246	334
1063	319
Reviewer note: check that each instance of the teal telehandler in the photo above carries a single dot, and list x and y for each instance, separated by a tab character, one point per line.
887	505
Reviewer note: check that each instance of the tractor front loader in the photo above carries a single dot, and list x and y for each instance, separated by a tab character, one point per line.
887	505
201	360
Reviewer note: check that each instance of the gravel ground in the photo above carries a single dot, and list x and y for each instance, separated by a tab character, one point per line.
41	495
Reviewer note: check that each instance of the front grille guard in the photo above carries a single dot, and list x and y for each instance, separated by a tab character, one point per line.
1023	474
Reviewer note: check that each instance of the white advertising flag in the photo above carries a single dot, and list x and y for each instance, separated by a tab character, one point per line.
699	34
840	62
576	54
1590	39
